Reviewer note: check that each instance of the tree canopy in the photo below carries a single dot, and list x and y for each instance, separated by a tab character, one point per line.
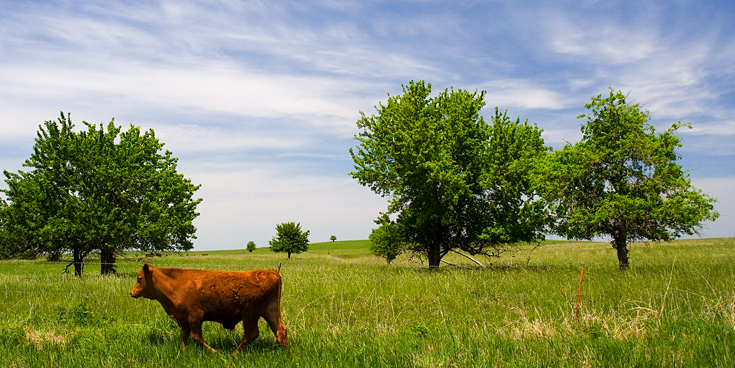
97	190
623	180
453	181
290	239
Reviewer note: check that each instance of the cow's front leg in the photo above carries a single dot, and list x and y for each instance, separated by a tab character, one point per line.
196	334
185	331
250	333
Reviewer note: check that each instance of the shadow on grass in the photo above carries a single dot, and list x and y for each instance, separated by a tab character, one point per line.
227	342
224	341
259	346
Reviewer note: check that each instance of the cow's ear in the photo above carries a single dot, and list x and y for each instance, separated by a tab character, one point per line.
146	268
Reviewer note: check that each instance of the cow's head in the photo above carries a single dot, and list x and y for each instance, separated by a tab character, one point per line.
144	284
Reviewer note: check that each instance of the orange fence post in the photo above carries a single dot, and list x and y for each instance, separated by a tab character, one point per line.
579	295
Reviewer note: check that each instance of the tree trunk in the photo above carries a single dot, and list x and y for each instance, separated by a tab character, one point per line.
434	255
78	262
107	260
55	256
289	255
621	245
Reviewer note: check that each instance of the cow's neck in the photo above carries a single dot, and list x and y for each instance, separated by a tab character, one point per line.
164	287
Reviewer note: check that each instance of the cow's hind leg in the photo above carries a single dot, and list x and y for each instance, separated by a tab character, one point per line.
250	333
196	335
272	315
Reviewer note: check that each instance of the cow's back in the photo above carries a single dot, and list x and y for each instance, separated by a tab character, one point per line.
225	296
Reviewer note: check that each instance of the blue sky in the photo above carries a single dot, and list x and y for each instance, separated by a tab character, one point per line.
259	100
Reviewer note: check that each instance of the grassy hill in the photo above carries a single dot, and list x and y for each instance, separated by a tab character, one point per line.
551	252
345	307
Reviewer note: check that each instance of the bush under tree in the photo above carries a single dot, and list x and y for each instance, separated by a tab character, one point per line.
386	241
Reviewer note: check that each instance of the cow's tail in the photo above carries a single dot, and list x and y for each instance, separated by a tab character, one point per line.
282	331
280	285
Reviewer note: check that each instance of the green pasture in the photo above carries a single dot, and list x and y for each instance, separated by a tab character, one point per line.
346	308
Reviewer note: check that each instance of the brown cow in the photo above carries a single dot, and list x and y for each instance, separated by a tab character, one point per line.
191	297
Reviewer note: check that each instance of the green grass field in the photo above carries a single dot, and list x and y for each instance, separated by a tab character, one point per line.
347	308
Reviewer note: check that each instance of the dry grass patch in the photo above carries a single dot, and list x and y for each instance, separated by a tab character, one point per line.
594	325
38	338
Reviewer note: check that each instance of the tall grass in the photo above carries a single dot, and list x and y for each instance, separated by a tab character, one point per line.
344	307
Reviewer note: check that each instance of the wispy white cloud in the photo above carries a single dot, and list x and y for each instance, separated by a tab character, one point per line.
670	68
238	60
522	93
722	128
260	98
216	88
193	139
610	43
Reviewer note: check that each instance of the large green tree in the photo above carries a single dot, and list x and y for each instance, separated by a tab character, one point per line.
290	239
452	180
622	180
97	190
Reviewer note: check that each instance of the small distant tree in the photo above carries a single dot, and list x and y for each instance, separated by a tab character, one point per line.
290	239
251	246
333	238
